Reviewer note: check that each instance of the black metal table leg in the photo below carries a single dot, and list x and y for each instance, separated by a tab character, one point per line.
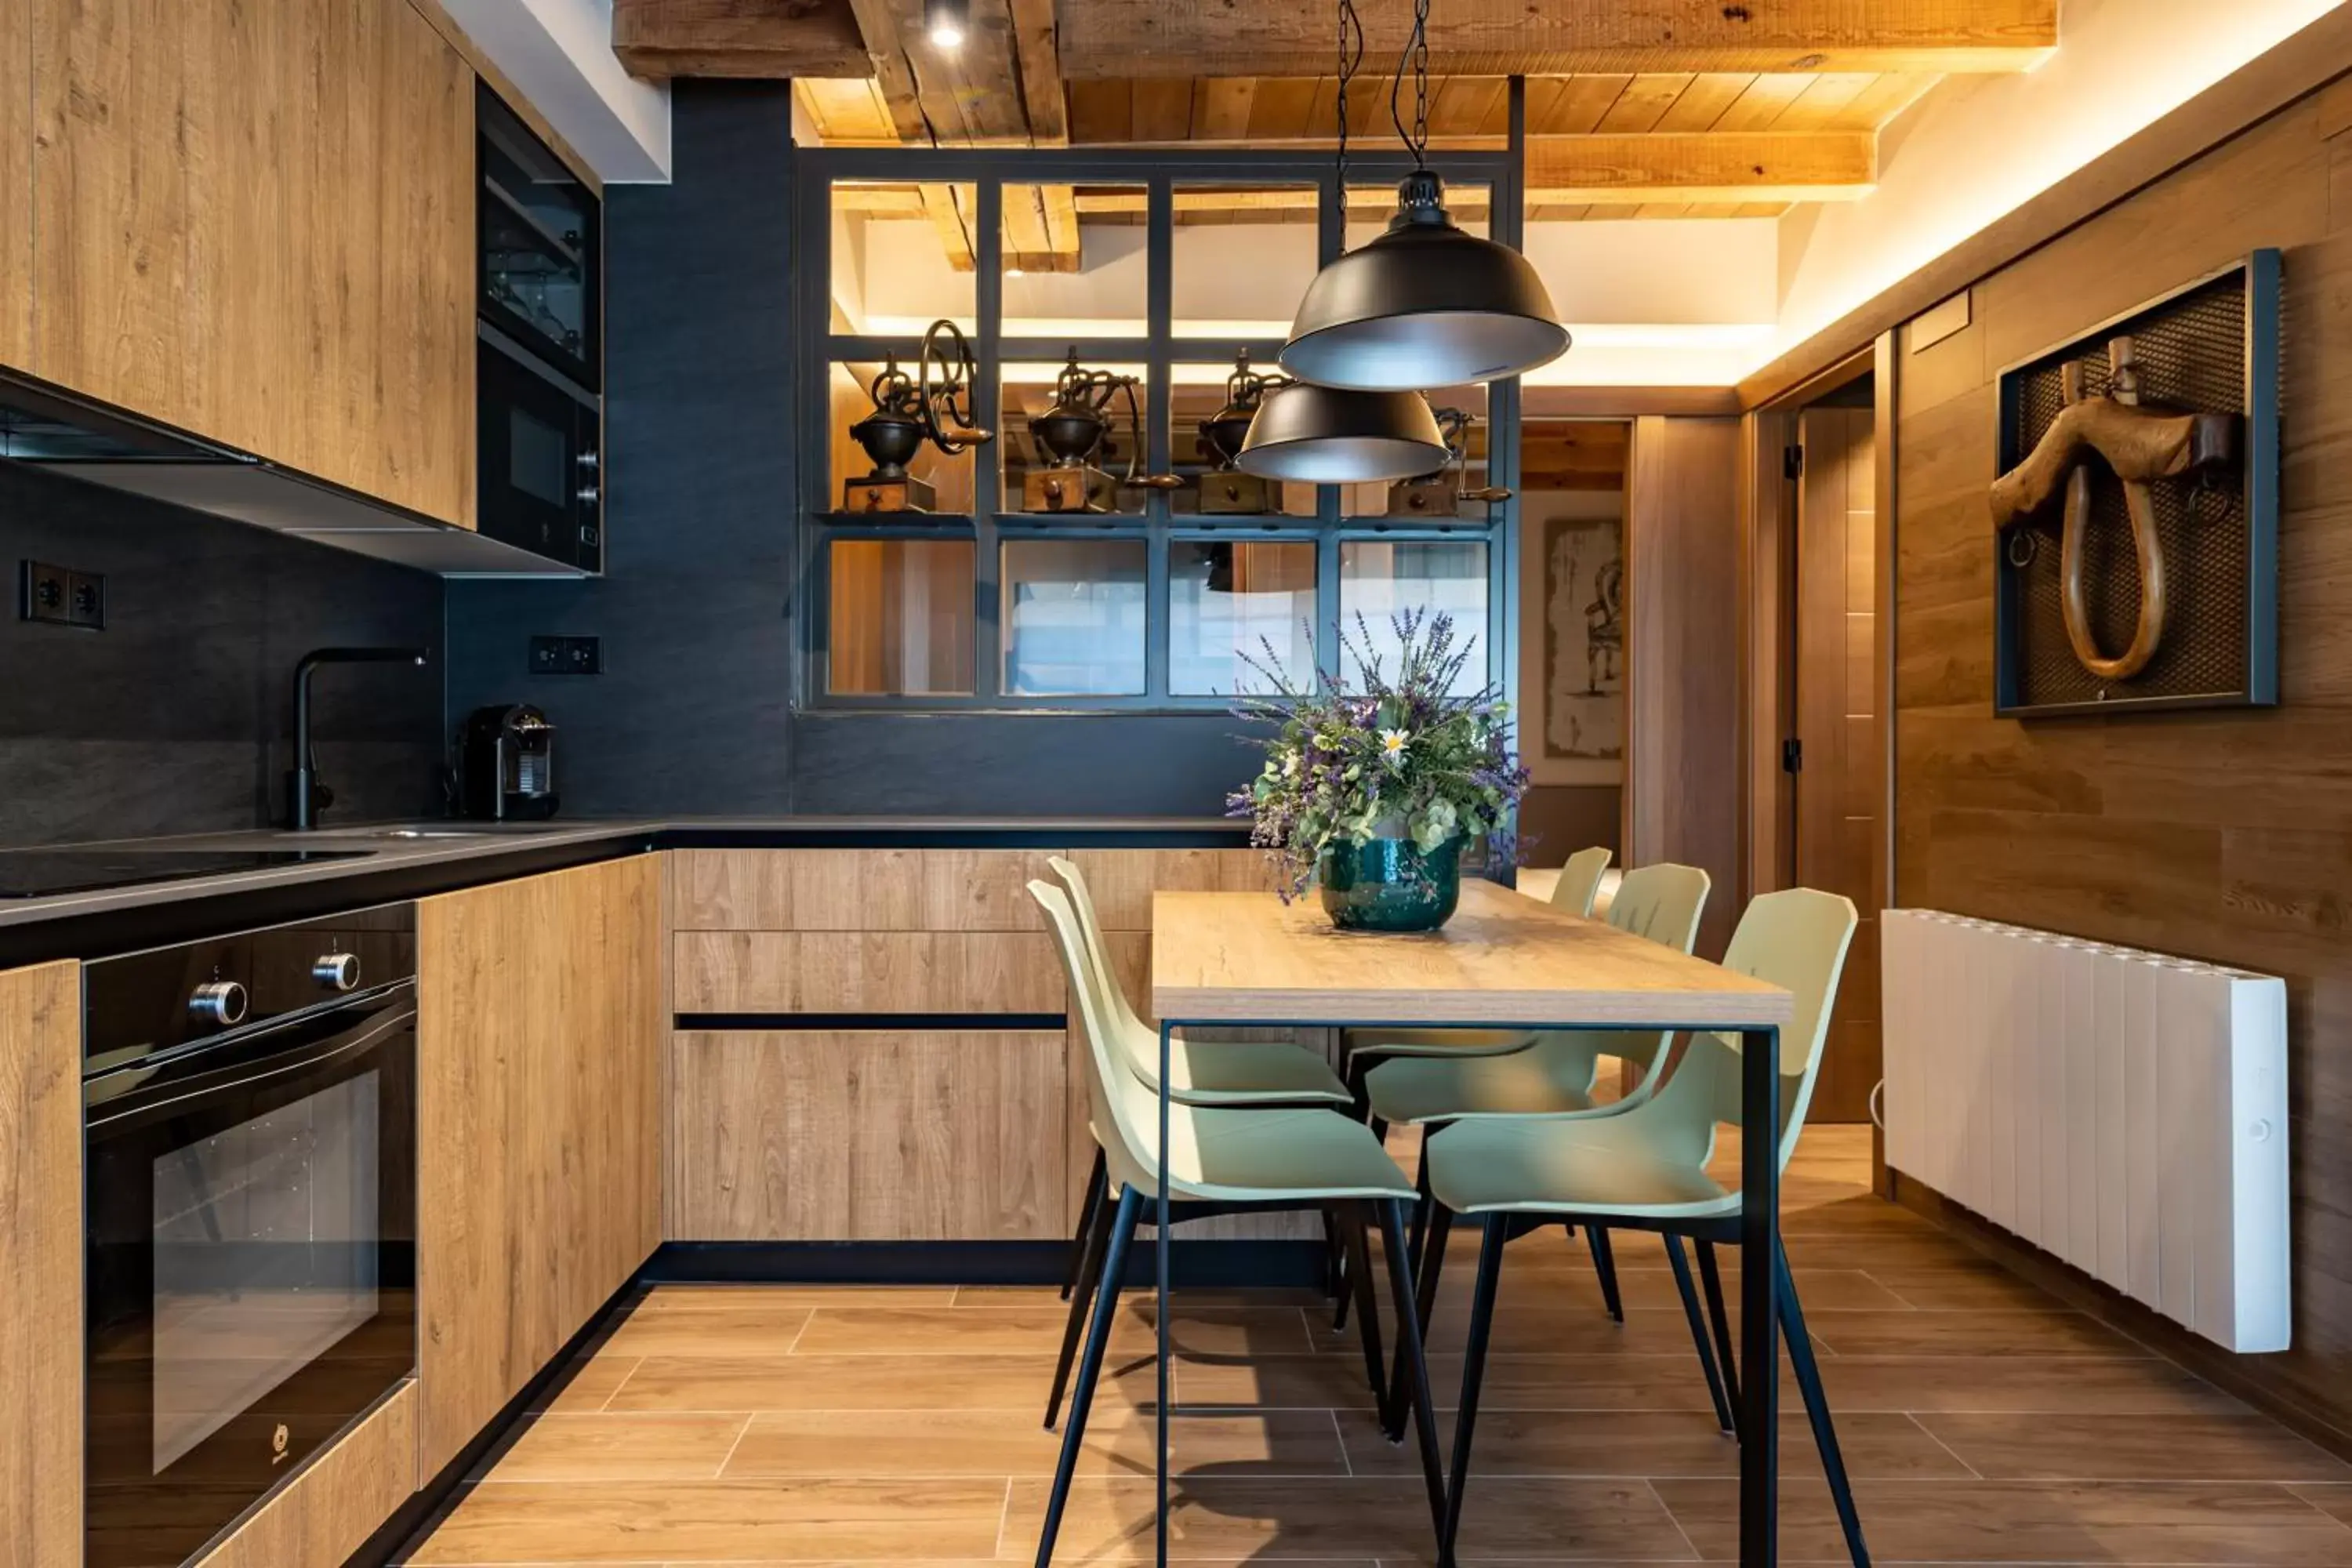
1760	1315
1160	1247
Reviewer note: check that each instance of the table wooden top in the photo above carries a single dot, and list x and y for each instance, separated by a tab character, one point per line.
1503	959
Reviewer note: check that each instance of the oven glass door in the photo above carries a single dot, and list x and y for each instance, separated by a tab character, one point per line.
250	1264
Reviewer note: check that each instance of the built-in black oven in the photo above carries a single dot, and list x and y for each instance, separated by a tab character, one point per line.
249	1263
540	300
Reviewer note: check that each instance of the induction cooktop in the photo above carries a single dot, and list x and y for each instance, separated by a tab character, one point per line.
46	873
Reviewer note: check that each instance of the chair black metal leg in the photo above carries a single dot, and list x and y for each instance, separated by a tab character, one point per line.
1817	1406
1711	1279
1096	1181
1474	1372
1367	1320
1425	1275
1343	1287
1604	1264
1412	1383
1097	1239
1680	1263
1073	1431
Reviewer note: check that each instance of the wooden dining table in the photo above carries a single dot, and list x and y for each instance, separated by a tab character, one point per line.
1503	961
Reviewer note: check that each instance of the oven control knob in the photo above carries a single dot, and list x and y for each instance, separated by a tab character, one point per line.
220	1002
336	971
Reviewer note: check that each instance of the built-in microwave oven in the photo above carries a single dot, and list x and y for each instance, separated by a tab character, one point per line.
539	480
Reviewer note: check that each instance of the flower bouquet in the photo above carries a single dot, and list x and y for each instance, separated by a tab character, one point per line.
1372	789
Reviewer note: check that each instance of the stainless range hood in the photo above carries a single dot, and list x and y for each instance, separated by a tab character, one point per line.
48	427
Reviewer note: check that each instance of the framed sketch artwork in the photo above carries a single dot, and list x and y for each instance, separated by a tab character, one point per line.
1573	641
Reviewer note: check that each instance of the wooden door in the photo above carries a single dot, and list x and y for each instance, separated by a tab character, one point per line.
15	183
539	1049
40	1266
1838	787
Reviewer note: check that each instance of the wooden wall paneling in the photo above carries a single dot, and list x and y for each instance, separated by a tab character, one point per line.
1123	880
256	224
866	972
40	1266
539	1044
332	1509
870	1136
1683	658
2218	835
1765	595
859	890
17	184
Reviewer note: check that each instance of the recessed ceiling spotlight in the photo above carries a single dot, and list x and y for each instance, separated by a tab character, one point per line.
945	22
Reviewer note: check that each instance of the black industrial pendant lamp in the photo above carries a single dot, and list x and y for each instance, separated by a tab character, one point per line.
1331	435
1424	304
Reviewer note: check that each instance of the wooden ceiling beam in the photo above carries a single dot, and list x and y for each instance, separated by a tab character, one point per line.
1136	38
1703	166
739	39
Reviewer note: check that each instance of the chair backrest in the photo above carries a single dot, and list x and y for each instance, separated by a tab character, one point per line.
1796	938
1124	1110
1579	879
1662	902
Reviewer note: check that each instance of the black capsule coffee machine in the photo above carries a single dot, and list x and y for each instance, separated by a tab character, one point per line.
505	764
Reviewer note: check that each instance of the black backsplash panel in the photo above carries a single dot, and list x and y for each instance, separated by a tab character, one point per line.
692	712
176	718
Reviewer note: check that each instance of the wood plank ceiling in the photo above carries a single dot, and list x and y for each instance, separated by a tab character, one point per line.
1638	109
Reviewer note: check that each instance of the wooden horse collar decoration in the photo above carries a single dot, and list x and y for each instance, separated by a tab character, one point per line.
2140	444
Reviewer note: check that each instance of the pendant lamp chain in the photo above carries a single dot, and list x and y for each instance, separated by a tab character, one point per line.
1351	55
1415	58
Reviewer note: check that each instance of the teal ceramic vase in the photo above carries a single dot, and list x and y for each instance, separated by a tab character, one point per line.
1389	885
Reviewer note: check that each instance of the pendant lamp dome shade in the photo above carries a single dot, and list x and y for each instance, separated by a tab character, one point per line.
1424	304
1325	435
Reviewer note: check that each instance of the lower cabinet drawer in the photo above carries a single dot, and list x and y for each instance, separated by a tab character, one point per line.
332	1507
868	1135
866	972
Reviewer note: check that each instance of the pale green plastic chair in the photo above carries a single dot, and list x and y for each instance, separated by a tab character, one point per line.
1228	1158
1647	1167
1555	1076
1200	1072
1579	884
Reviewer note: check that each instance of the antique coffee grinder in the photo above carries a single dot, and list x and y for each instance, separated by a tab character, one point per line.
1225	490
933	404
1072	433
1440	495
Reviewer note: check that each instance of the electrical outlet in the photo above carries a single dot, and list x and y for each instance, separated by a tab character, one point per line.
567	656
57	597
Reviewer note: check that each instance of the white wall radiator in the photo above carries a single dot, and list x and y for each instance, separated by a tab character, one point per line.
2122	1109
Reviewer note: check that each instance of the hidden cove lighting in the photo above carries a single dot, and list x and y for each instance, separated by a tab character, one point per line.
1426	303
945	22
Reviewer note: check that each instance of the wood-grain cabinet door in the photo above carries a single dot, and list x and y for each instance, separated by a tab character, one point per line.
40	1266
15	183
255	222
539	1051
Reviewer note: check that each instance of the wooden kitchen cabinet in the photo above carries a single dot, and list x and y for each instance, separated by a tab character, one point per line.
255	221
40	1266
539	1054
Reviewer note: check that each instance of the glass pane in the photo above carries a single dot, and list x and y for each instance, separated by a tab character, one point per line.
902	256
864	483
1088	457
1379	579
901	622
1074	261
539	244
1242	257
1227	599
1200	392
1073	618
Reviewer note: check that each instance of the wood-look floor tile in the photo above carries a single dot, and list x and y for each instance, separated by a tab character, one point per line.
861	1382
729	1298
588	1385
2056	1446
2238	1524
1012	1331
1512	1383
1003	1443
2110	1385
1050	1297
2335	1501
717	1521
1654	1443
1985	1333
560	1446
760	1329
1959	1288
1371	1516
1651	1287
1571	1330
